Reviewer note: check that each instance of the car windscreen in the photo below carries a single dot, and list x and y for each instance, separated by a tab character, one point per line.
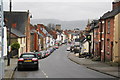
37	52
27	56
76	45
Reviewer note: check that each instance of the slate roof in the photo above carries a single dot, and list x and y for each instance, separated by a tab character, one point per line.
34	31
17	33
111	13
18	18
94	24
51	32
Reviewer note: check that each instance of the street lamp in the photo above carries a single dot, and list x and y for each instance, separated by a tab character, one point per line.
9	39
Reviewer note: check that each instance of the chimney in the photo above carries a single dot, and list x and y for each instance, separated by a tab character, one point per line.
116	4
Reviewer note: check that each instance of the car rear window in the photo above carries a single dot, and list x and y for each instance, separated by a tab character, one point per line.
28	56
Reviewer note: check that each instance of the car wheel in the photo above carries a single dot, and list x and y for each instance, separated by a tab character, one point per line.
37	68
19	69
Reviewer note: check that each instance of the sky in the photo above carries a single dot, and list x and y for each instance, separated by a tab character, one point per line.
65	10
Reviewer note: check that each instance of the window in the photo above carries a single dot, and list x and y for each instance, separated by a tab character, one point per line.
28	55
108	27
108	46
102	28
102	43
21	40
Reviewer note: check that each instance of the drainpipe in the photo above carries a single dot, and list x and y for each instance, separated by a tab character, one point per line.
93	44
100	36
104	38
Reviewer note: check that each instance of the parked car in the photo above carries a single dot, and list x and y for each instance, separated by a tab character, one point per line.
51	49
48	51
56	47
68	49
46	54
39	54
71	48
28	60
43	53
76	48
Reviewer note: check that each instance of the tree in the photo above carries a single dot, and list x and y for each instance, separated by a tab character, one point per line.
15	45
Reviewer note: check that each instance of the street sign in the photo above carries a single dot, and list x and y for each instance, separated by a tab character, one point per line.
88	37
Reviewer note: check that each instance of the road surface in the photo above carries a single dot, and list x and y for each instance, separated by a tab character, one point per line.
57	65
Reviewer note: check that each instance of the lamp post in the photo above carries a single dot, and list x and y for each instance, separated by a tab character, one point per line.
9	39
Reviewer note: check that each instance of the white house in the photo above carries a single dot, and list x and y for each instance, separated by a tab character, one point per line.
58	37
4	42
85	47
63	36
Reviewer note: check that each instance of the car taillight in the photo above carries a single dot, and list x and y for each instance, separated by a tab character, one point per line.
20	59
38	54
34	59
46	54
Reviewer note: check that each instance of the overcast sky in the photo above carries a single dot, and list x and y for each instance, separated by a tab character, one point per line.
66	10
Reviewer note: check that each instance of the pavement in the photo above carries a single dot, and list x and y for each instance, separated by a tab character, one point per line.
9	70
112	70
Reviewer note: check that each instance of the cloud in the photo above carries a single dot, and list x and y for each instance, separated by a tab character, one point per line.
63	10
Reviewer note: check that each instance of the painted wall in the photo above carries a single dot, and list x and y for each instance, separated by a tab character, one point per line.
22	42
116	47
85	47
5	42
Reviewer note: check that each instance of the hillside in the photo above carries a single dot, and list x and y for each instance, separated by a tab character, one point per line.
65	24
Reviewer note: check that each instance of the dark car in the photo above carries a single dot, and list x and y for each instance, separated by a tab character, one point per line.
28	60
51	49
76	49
71	48
39	54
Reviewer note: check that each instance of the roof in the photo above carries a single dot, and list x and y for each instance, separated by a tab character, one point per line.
94	24
51	32
17	33
20	19
34	31
110	14
75	34
86	34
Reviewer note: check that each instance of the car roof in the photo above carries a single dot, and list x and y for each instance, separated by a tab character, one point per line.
28	53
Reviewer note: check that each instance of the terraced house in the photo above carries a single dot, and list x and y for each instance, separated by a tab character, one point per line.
20	24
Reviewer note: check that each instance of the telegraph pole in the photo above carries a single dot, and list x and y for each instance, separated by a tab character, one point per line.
9	39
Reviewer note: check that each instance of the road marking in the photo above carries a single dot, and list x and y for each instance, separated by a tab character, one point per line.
45	74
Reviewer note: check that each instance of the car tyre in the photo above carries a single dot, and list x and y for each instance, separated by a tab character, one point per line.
37	68
18	69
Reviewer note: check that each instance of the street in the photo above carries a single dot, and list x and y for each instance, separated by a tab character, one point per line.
57	65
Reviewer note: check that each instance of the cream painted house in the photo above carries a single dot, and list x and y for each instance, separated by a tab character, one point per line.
85	47
17	36
22	42
116	51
